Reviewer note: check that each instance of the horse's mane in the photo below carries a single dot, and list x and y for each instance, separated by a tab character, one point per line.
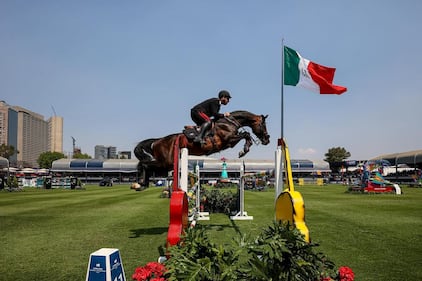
240	113
241	117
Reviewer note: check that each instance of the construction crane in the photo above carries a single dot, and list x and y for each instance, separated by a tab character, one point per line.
74	144
54	111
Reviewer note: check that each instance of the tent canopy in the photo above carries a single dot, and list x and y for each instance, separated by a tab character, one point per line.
411	158
4	163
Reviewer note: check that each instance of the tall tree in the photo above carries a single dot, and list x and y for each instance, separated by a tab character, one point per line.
335	156
7	151
80	155
45	160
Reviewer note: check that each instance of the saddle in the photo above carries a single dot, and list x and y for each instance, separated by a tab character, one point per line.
191	131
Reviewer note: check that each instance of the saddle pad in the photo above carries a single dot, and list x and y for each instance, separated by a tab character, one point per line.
190	133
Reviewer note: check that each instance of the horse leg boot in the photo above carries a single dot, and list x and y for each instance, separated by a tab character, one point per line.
204	129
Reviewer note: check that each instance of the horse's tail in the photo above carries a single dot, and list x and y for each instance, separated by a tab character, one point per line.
143	151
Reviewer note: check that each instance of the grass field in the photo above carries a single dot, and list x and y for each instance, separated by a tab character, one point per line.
49	234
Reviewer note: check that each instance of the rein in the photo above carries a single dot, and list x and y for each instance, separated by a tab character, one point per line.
233	121
239	127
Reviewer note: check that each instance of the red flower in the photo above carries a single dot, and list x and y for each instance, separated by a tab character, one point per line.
156	268
152	271
141	273
346	274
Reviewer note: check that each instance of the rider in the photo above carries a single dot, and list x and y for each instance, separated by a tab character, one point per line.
203	113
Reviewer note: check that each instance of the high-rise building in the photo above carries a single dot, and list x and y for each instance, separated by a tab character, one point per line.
100	152
29	134
8	120
105	152
9	129
4	119
32	136
112	152
55	132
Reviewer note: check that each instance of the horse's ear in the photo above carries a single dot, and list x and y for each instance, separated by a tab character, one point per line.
265	116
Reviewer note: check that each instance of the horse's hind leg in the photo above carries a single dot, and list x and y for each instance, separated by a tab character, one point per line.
143	175
247	145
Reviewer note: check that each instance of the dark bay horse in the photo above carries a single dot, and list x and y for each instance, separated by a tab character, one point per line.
156	155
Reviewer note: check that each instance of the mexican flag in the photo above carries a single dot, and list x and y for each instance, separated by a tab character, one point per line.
299	71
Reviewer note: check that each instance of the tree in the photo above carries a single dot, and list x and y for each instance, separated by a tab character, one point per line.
7	151
80	155
12	182
336	155
45	160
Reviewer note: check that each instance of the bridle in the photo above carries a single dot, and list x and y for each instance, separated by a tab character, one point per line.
240	128
261	129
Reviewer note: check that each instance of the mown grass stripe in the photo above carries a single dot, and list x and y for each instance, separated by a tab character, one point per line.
49	234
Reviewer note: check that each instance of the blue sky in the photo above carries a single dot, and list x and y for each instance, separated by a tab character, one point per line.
122	71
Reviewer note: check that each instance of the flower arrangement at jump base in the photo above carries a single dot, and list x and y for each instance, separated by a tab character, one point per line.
279	253
344	274
152	271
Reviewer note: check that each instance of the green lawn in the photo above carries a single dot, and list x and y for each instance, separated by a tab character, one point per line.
49	234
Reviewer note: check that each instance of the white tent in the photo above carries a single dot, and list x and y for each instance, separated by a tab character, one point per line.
4	163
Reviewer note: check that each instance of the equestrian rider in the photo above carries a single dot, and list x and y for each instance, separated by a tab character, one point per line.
203	113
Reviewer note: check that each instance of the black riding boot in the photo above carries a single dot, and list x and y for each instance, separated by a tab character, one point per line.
204	129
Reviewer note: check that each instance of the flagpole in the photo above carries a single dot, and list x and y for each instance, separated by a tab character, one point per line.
282	88
279	159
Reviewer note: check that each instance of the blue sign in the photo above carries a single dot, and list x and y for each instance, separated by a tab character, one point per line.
105	265
97	268
117	273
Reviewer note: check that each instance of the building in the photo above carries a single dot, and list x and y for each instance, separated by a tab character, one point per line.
4	120
29	133
32	137
125	170
411	158
55	132
125	155
9	128
105	152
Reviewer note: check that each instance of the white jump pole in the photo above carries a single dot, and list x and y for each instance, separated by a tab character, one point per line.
278	172
242	214
183	166
200	216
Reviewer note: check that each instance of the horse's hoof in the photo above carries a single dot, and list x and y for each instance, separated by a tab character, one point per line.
241	154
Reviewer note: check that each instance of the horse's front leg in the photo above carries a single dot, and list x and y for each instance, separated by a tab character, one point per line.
247	145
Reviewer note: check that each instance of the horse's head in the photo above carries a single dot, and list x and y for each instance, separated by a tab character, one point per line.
259	128
255	122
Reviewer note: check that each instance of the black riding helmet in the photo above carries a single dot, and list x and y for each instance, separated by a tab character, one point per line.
224	94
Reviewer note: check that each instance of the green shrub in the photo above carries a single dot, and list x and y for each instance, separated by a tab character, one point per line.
280	252
12	182
200	259
218	201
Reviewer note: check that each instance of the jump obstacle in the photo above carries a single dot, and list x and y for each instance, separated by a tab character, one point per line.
198	215
289	204
179	189
178	201
242	214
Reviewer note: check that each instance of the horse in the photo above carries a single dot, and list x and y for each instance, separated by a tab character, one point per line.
155	155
